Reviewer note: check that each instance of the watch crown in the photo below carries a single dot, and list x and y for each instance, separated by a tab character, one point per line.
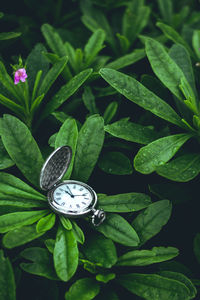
98	216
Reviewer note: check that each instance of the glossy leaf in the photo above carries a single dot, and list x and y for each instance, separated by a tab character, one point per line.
115	163
119	230
136	92
68	136
157	153
166	10
127	59
153	286
50	244
150	221
181	278
5	160
196	42
66	223
164	67
84	289
90	142
78	233
105	278
21	147
52	75
110	112
181	169
89	100
100	250
20	236
7	279
42	263
18	109
18	219
66	91
132	132
46	223
94	45
147	257
65	254
9	35
124	202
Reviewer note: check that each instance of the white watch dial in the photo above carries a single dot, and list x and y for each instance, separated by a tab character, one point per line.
72	197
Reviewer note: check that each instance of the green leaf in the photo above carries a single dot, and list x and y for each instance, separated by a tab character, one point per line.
132	132
53	40
115	163
166	10
105	278
107	294
66	223
42	263
181	169
150	221
164	66
36	103
5	160
136	92
52	75
173	35
66	91
68	136
20	236
147	257
124	202
78	233
196	42
153	286
50	244
21	147
18	109
158	152
46	223
196	246
182	58
18	219
119	230
100	250
84	289
89	100
36	62
65	254
110	112
15	192
127	59
9	35
90	142
124	42
93	46
7	279
181	278
134	20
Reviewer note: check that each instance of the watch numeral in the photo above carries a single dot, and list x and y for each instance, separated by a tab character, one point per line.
63	204
83	203
58	198
58	194
74	186
77	205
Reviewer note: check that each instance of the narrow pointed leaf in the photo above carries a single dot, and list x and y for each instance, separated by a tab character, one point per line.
147	257
84	289
181	169
94	45
150	221
7	279
158	152
65	254
68	136
166	10
136	92
89	145
12	105
124	202
153	286
119	230
21	147
5	160
20	236
66	91
18	219
46	223
78	233
132	132
9	35
110	112
196	42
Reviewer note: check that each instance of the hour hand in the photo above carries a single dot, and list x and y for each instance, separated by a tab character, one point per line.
70	193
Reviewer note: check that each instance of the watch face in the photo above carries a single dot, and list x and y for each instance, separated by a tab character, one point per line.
72	198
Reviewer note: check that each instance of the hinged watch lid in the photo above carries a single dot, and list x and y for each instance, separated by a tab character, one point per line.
55	167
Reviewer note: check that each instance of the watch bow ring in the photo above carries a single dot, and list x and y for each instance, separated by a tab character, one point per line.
69	198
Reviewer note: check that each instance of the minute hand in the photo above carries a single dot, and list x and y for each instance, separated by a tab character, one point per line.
70	193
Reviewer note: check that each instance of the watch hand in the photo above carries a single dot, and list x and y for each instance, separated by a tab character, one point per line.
69	194
69	190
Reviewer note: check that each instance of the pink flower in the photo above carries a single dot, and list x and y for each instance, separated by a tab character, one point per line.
20	74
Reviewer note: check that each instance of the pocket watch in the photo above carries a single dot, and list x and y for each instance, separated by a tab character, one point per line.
69	198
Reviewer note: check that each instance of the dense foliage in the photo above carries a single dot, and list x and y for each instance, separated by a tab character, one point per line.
118	82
